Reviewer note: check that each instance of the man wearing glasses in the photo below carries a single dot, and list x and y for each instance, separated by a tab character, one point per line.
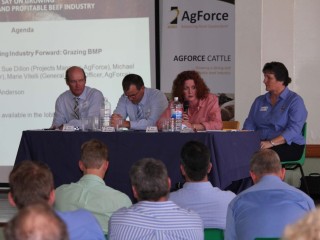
143	106
78	102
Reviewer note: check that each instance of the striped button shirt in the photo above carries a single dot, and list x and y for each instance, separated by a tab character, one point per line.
155	220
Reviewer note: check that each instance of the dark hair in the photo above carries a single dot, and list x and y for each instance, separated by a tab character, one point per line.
93	153
150	179
72	68
264	162
178	84
36	221
132	79
279	70
30	182
195	158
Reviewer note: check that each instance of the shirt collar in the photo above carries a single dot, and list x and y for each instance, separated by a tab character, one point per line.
92	177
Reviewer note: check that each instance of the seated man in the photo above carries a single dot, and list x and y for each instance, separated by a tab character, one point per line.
78	102
31	222
197	193
142	105
91	192
264	209
31	182
153	217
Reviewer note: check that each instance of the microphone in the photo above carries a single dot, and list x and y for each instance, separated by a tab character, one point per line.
185	106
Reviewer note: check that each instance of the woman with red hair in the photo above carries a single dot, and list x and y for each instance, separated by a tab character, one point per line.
203	112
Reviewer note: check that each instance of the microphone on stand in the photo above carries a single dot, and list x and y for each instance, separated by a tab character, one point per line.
185	106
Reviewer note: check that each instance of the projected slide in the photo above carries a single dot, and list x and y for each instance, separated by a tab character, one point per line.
34	55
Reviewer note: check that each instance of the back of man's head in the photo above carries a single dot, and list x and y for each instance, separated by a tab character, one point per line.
195	158
132	79
30	182
93	154
265	162
150	179
36	221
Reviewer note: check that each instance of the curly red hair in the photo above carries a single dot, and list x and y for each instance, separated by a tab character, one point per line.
178	85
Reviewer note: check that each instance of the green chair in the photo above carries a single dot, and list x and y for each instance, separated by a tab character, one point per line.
213	234
292	165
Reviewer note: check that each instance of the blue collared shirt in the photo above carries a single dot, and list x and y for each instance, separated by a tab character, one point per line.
209	202
155	220
153	103
81	225
90	102
285	118
264	209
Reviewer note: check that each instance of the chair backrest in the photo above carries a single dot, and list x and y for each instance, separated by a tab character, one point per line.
213	234
230	125
303	156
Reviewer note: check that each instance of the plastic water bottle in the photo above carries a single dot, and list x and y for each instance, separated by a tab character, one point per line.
176	115
105	113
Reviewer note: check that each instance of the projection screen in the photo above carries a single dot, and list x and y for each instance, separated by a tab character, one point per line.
40	39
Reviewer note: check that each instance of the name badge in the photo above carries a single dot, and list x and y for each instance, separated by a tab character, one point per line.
264	109
68	128
152	129
107	129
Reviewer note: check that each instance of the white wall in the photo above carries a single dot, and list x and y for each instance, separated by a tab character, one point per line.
285	31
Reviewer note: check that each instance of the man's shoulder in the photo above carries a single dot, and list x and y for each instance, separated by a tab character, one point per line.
77	216
92	91
154	91
282	191
66	187
66	93
215	194
81	224
161	211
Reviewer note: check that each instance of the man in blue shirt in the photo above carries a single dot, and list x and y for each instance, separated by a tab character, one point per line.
78	102
153	217
197	193
264	209
32	182
143	106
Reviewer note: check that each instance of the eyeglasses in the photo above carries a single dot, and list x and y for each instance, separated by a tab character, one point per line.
133	95
73	82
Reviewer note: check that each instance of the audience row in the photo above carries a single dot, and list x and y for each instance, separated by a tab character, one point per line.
89	209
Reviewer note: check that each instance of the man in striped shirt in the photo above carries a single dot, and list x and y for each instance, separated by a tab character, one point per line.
153	217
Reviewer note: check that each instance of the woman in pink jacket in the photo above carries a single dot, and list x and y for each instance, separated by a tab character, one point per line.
203	112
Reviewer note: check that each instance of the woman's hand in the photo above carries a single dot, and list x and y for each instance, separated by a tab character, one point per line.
187	124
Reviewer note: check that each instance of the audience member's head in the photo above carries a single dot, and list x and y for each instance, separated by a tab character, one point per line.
133	87
150	180
195	161
30	182
265	162
94	154
307	228
37	221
